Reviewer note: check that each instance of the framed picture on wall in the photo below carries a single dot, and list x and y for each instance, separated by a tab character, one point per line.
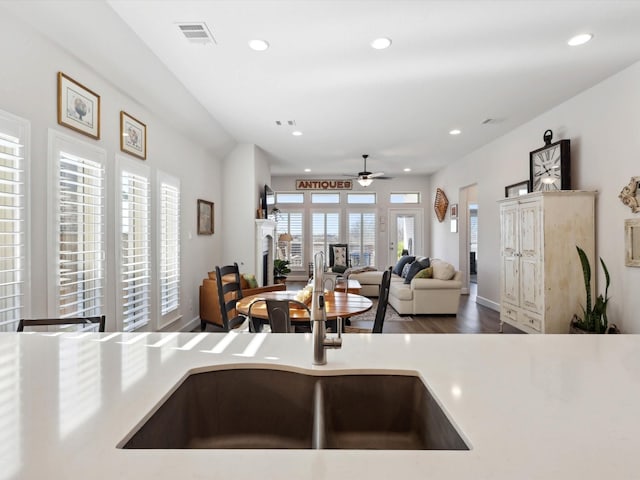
205	217
454	210
78	107
133	136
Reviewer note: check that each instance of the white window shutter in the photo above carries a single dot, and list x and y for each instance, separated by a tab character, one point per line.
135	270
169	247
80	219
13	189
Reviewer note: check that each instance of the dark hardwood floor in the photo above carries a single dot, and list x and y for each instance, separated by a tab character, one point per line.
471	318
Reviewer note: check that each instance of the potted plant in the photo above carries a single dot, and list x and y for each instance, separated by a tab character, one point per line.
280	270
594	317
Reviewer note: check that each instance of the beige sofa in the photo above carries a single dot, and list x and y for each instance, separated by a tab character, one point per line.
420	297
425	295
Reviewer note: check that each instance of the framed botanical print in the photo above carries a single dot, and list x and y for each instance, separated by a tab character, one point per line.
205	217
78	107
133	136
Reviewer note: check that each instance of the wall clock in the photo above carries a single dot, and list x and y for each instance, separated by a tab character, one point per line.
550	166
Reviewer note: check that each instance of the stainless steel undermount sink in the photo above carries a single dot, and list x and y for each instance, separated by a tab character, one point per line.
276	409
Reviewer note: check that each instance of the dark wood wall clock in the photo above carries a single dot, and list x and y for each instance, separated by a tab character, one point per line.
550	166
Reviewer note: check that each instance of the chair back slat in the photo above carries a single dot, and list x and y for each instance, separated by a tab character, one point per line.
38	322
228	294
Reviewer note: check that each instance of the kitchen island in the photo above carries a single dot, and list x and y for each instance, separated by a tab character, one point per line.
529	407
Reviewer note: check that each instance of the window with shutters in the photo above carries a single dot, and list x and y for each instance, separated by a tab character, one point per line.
79	223
290	222
133	296
362	238
325	231
14	137
169	197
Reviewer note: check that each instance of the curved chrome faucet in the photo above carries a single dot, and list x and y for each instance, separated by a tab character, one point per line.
319	315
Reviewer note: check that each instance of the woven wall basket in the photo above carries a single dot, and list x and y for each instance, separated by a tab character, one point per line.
441	204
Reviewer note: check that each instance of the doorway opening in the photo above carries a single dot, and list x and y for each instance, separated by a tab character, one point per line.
468	239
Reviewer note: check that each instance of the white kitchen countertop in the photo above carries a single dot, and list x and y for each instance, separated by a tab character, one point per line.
529	406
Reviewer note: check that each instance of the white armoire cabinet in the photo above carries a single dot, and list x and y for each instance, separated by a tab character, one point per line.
541	280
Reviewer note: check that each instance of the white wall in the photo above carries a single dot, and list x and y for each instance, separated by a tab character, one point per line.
28	88
245	173
382	188
603	124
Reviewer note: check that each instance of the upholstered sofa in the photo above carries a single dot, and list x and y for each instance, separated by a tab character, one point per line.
422	296
209	304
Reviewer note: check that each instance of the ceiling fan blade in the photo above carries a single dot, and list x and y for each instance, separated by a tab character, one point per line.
374	175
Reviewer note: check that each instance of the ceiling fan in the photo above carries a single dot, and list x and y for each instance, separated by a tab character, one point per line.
365	178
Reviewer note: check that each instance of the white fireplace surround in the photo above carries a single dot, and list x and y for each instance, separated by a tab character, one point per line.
265	235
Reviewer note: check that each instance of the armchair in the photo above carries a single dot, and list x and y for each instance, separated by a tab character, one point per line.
338	257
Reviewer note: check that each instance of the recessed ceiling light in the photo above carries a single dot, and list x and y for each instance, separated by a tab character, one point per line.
258	45
580	39
307	169
455	131
407	169
381	43
296	133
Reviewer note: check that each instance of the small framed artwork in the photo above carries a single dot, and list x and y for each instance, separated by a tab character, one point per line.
517	189
133	136
454	225
205	217
454	210
632	242
78	107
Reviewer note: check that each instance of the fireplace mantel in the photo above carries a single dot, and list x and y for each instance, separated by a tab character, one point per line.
265	244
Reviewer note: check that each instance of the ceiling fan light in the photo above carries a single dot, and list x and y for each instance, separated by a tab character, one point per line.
365	182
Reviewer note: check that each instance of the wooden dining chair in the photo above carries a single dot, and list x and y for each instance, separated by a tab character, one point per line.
229	292
381	310
37	322
279	312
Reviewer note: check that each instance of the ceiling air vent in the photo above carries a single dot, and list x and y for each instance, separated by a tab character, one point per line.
196	32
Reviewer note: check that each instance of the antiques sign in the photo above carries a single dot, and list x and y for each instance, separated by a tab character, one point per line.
324	184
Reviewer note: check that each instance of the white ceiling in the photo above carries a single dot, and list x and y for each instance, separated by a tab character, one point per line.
452	64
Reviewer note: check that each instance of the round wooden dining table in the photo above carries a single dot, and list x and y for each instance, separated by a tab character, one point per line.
337	305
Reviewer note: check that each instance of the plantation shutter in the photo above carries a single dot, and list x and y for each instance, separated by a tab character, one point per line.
325	231
12	227
362	238
135	251
291	222
169	247
80	219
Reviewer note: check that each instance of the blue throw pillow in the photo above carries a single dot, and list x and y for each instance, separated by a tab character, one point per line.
405	270
415	268
401	263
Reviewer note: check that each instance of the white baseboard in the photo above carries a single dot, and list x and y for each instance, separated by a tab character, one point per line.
487	303
193	323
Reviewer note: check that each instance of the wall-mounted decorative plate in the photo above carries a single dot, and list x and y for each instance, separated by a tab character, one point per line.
630	195
441	204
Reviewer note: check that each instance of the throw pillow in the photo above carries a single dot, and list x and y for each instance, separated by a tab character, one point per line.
339	268
339	256
443	271
405	270
401	263
415	268
425	273
250	278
